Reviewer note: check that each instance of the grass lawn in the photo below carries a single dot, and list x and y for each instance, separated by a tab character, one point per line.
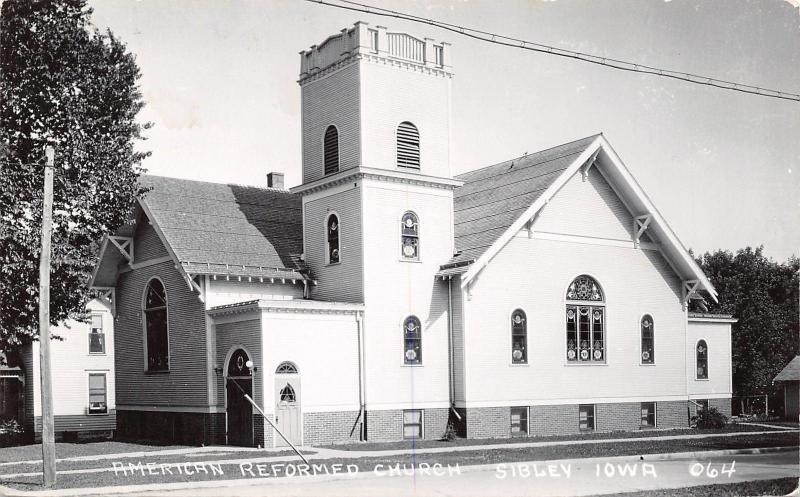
422	444
470	457
781	486
32	452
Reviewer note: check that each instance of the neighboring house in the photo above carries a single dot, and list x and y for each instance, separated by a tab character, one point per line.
384	298
790	377
82	365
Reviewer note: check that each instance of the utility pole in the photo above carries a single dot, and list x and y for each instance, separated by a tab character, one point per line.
48	435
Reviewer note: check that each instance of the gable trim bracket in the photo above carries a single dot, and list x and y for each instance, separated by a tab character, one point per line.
125	246
640	224
585	168
108	294
690	288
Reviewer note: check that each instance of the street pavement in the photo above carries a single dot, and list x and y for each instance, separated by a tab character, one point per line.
574	477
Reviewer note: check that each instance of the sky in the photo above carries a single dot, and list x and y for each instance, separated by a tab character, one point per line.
219	78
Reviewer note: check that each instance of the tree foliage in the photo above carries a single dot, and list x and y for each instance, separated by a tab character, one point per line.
763	295
63	83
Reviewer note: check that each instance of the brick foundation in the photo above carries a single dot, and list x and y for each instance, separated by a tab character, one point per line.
320	428
387	425
550	420
186	428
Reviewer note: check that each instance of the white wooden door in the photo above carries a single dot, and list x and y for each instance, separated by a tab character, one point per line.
287	409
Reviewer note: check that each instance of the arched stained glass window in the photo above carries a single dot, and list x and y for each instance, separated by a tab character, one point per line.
409	236
648	339
412	340
702	360
408	145
519	337
331	150
237	366
287	394
585	317
156	328
286	367
332	237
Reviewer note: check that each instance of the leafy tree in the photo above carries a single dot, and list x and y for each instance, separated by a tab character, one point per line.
763	295
64	83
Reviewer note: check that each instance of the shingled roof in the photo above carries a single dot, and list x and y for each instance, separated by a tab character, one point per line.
791	372
493	197
217	226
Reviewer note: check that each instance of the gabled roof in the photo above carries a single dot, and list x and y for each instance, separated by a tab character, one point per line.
214	228
791	372
493	197
497	202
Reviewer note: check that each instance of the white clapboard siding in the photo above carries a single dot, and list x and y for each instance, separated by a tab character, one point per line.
392	95
718	339
224	292
395	289
332	100
343	281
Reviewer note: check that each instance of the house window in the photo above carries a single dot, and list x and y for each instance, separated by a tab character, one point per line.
97	394
331	150
373	40
585	321
702	405
332	236
519	421
156	328
412	340
97	339
648	414
648	346
412	424
586	417
439	55
519	337
407	145
409	236
702	360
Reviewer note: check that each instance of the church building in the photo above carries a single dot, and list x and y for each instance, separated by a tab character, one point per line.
385	298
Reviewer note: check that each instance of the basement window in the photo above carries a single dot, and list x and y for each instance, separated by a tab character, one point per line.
648	415
519	421
586	417
412	424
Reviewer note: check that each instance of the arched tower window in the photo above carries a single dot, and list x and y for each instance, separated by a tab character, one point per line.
648	339
331	150
332	239
412	340
407	145
702	360
585	321
409	236
519	337
156	327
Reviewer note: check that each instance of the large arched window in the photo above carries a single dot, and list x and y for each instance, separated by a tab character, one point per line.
331	150
412	341
585	321
648	339
156	326
407	145
702	360
409	236
519	337
332	239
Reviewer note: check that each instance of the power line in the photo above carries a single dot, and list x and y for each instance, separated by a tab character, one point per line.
509	41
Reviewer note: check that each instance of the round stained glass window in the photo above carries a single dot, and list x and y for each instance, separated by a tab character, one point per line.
334	225
645	355
517	354
598	354
410	326
571	353
597	315
571	314
584	354
240	362
408	250
409	222
411	355
518	319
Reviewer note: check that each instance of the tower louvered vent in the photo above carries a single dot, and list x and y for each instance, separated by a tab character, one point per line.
331	150
407	145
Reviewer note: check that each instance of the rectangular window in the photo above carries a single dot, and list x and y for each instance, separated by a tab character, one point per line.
519	421
585	333
97	339
586	417
439	54
412	424
648	414
97	394
702	405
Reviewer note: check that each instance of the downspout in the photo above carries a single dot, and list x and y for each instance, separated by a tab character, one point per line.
361	389
451	369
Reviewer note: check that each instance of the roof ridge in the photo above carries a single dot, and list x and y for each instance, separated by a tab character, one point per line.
244	185
526	155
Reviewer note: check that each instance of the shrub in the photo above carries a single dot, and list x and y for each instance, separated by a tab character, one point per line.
10	426
709	418
450	432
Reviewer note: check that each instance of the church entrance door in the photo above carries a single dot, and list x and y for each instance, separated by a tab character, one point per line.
238	409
